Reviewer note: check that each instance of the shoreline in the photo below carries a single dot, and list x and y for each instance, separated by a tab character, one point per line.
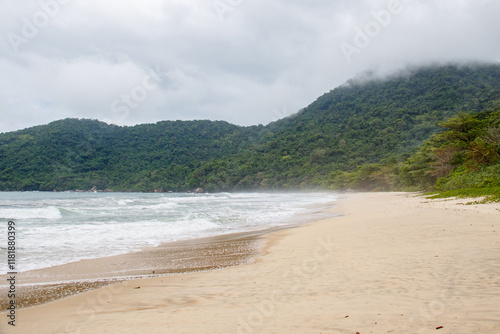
45	285
41	286
393	263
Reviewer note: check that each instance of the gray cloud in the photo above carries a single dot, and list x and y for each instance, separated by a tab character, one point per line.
164	60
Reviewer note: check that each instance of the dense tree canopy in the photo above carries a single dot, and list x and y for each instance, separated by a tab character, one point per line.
366	121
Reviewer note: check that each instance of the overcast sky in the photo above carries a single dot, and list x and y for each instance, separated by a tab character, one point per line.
243	61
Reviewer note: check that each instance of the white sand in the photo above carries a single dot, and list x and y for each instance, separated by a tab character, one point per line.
394	264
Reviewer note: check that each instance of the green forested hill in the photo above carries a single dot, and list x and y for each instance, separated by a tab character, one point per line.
80	154
341	140
362	122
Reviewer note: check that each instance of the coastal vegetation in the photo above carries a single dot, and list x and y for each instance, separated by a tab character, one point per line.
461	161
429	128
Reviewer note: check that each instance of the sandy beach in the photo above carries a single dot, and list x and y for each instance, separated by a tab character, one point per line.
393	263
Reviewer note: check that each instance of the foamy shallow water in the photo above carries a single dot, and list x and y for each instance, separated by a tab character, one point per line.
58	228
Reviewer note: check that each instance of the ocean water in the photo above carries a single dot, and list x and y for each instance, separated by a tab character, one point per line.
58	228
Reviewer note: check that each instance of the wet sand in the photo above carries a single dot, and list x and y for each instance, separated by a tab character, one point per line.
40	286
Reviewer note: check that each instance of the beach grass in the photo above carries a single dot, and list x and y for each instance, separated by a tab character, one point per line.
484	195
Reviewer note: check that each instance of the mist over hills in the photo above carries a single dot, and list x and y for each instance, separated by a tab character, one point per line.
365	121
